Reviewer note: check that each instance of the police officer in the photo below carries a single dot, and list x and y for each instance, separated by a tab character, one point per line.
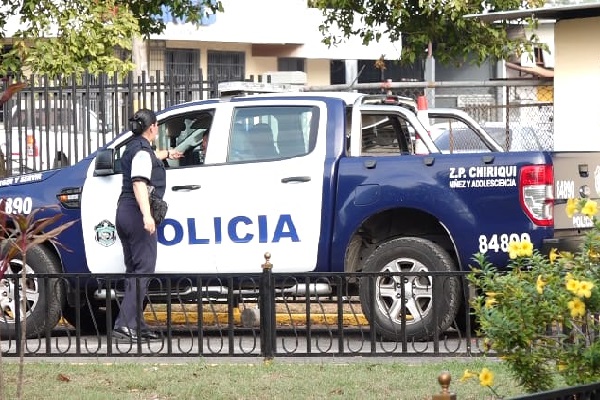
142	168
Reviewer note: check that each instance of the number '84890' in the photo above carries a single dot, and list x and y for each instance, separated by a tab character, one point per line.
499	242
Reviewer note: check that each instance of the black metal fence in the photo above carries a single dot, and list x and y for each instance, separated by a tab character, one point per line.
581	392
263	315
54	123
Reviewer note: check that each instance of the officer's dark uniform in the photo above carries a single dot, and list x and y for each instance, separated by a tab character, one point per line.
139	246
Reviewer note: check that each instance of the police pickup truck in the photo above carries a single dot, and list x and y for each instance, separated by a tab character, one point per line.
325	182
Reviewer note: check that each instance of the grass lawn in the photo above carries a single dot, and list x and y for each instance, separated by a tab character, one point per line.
153	379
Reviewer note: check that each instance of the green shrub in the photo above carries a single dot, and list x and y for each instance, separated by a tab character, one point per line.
541	313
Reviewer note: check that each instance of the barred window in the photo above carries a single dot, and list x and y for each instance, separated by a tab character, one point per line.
182	64
226	65
291	64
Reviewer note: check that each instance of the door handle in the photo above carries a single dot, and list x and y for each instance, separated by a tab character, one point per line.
295	179
185	188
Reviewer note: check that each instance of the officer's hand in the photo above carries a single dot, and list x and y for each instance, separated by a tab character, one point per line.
149	224
174	154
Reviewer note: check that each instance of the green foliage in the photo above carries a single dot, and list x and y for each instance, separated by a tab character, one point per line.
147	12
19	232
65	37
542	312
420	22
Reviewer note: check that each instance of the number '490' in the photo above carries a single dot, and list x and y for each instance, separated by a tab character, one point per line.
17	205
498	243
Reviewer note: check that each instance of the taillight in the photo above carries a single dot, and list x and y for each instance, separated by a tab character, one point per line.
536	193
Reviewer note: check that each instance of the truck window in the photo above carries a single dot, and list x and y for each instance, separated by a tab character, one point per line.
453	136
188	133
385	135
183	132
272	132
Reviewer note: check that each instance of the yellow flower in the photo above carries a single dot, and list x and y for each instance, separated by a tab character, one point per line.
513	250
553	255
593	255
561	366
577	307
571	207
491	294
590	208
540	284
490	301
526	249
566	254
568	276
572	285
585	289
486	377
467	375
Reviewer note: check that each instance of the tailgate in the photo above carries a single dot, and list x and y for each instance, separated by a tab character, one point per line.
576	175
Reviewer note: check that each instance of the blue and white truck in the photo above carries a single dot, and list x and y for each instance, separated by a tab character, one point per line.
325	182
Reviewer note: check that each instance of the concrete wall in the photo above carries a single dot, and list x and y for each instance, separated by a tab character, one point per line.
318	72
576	84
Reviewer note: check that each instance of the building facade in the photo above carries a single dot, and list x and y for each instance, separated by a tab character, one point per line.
256	38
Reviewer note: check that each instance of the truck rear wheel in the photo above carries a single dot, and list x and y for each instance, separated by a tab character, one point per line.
44	297
425	301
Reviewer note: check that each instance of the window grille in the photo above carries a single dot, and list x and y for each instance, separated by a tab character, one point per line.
156	56
182	64
291	64
226	65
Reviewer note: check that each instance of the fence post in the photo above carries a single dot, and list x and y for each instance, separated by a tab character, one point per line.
267	310
444	380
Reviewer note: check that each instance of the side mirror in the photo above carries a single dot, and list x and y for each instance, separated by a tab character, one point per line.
105	162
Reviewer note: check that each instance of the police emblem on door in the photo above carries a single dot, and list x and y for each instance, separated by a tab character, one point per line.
106	233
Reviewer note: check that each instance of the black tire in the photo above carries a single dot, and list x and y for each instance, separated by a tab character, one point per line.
424	308
42	309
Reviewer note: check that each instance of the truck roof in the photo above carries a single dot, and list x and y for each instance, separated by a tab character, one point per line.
348	97
237	89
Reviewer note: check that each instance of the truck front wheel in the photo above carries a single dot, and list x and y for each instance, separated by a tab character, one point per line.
44	297
425	301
